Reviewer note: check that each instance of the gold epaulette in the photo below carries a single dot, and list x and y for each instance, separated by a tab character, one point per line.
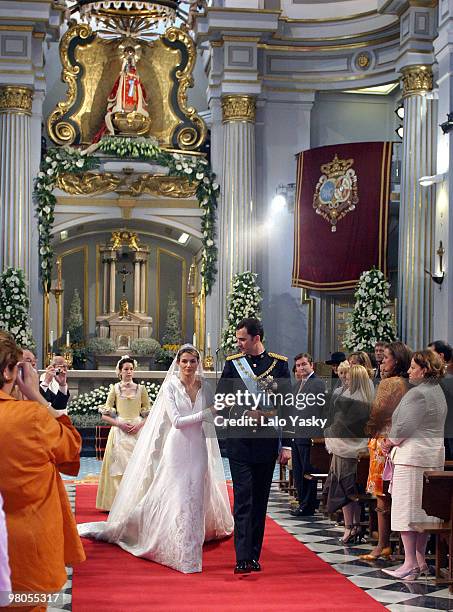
236	356
277	356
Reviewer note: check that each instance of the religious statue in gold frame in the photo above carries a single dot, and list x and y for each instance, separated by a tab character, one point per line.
91	65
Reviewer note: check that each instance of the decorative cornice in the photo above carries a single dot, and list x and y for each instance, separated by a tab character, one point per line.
416	80
16	99
238	108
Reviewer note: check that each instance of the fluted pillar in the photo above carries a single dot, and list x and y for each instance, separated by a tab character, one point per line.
416	220
112	285
137	268
105	288
238	189
142	287
16	183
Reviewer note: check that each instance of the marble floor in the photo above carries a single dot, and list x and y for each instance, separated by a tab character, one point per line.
321	536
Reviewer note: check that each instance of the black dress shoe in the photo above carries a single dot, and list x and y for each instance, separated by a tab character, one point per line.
300	512
242	567
255	565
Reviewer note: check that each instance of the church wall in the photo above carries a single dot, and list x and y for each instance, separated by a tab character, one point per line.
339	118
283	129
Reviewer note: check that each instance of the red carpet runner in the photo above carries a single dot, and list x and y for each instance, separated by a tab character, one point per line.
294	578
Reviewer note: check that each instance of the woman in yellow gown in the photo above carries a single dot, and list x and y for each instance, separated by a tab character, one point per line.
126	409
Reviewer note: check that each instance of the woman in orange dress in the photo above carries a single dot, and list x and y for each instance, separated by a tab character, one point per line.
37	444
397	358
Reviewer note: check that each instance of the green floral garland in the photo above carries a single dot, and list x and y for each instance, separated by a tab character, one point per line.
194	168
55	162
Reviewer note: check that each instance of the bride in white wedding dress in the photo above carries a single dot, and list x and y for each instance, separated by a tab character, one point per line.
173	495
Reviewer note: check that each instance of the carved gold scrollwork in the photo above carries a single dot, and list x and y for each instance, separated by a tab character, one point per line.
238	108
417	80
88	183
64	133
91	183
188	137
16	100
162	186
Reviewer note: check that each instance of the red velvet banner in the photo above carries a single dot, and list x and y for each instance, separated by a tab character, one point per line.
340	224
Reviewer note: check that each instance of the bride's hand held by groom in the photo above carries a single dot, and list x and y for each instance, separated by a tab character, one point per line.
284	456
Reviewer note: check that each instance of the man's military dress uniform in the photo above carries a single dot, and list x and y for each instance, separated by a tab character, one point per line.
252	450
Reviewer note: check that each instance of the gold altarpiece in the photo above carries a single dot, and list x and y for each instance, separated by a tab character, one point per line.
90	66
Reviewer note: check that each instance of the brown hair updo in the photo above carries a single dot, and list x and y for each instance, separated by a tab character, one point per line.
10	354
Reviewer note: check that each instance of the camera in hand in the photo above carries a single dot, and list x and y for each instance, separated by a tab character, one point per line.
57	371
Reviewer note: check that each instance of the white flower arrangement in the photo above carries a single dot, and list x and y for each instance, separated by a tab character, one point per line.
14	307
244	301
371	320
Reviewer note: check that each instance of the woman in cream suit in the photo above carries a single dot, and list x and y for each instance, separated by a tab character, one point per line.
416	445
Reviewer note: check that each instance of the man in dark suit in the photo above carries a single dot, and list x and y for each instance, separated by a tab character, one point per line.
312	391
445	352
54	385
254	445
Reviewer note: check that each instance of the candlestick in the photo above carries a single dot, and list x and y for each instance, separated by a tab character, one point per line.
59	278
67	339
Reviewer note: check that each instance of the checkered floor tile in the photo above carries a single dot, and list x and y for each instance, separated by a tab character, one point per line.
321	536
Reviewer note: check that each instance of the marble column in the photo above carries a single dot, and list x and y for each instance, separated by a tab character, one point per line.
142	287
416	221
105	288
112	285
16	182
237	214
137	269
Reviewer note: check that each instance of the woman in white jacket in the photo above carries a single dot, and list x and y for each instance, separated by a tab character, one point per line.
416	445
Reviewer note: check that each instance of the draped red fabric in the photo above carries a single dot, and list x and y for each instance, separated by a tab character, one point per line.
341	212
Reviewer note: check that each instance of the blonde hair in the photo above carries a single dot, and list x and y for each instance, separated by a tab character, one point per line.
359	382
362	359
343	367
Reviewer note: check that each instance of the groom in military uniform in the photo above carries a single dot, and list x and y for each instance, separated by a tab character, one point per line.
254	447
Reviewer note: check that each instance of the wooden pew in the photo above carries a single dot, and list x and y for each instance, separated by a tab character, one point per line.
438	501
102	433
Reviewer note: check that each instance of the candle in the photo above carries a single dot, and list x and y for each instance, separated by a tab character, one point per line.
51	339
208	342
194	339
67	339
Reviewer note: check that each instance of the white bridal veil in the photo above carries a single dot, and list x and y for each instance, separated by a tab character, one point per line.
145	463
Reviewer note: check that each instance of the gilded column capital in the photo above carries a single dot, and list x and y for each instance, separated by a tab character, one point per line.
15	99
416	80
237	107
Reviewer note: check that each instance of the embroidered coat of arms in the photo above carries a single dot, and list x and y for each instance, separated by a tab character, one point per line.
336	192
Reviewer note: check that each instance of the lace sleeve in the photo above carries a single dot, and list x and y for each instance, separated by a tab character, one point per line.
145	404
109	407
